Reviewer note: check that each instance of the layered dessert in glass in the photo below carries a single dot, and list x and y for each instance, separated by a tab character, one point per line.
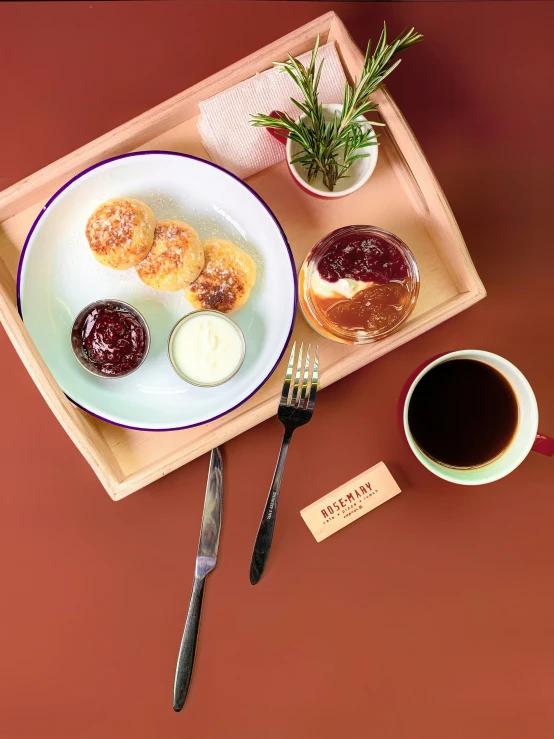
358	284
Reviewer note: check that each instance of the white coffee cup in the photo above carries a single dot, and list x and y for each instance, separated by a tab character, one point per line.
524	440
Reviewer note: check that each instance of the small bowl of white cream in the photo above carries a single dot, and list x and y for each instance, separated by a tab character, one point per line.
206	348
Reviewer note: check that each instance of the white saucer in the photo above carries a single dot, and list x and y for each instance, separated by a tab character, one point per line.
58	276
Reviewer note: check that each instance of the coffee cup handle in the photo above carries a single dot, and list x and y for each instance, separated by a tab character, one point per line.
543	445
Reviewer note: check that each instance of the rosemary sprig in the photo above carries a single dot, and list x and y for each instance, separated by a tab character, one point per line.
331	147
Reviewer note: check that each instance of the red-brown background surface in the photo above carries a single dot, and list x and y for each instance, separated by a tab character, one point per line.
432	617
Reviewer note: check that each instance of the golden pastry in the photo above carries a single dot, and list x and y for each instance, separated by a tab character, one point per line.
120	232
228	276
175	259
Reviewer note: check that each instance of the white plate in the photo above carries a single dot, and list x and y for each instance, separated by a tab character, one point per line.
58	276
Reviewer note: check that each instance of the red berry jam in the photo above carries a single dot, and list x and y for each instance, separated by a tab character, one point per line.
369	259
113	340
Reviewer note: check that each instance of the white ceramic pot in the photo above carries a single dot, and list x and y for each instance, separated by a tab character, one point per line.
358	174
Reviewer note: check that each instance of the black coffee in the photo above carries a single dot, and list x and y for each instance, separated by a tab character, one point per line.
463	413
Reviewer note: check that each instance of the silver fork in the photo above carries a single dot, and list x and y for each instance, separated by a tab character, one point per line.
295	409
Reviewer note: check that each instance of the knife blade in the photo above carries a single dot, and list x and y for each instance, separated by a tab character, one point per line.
206	560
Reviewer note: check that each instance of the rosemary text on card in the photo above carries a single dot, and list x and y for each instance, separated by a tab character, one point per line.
350	501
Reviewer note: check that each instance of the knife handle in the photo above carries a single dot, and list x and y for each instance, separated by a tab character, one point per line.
185	661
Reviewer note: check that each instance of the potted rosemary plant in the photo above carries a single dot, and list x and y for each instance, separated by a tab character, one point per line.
331	149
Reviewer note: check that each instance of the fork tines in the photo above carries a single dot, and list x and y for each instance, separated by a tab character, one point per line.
303	393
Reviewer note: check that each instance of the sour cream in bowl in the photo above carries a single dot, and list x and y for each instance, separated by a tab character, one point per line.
206	348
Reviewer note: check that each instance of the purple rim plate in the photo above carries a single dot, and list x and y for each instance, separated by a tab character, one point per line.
33	311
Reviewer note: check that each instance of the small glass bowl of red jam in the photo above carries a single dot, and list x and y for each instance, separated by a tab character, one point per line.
358	284
110	338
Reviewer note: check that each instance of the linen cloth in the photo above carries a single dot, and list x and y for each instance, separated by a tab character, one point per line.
224	124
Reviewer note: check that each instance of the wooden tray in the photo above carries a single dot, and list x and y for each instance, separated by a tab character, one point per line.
402	196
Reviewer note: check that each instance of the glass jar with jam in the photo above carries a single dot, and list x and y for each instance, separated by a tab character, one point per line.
358	284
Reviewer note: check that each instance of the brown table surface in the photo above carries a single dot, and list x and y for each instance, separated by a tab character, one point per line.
432	616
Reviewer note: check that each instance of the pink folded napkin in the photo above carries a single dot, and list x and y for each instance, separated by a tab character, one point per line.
224	124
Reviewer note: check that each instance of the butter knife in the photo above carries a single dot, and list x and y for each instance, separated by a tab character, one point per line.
205	562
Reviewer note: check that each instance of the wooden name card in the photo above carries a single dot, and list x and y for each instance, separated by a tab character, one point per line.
350	501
